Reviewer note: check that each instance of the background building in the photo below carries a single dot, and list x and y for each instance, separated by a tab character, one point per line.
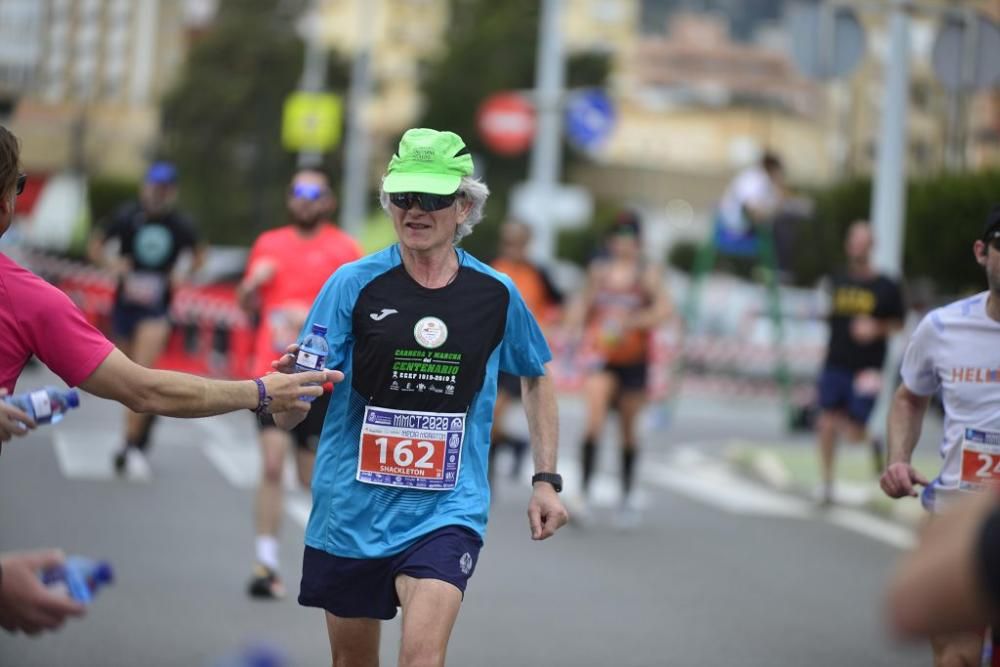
81	80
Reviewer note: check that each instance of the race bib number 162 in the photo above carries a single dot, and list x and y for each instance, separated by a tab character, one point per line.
408	449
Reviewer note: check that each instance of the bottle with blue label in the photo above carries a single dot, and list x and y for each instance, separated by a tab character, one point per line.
46	406
80	577
312	353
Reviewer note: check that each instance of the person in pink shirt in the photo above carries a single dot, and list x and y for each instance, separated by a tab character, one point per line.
37	319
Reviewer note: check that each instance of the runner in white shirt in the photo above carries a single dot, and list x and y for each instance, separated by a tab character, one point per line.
955	350
753	197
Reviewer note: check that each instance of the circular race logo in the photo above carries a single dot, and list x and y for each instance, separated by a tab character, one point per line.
153	245
465	563
430	332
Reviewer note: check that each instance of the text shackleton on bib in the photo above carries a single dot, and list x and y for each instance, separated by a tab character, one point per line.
410	449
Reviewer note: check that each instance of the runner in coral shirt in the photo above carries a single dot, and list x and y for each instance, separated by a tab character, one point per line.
286	269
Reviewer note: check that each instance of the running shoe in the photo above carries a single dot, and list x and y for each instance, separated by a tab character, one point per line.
629	515
120	461
265	584
580	510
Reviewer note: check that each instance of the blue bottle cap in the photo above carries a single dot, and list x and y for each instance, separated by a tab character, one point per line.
73	398
319	329
103	574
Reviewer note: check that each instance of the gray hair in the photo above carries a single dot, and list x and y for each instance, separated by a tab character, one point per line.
471	189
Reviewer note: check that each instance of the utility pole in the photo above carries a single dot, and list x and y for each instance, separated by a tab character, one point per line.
546	152
888	196
356	153
313	73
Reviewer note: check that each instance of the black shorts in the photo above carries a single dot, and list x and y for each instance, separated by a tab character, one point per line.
306	435
126	318
836	391
509	384
366	587
631	377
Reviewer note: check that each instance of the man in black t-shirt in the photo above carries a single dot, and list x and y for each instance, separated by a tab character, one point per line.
151	237
866	308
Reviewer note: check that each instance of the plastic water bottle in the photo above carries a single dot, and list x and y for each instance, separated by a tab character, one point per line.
312	353
80	577
46	406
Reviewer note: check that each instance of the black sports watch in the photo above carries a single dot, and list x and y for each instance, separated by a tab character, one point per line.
552	478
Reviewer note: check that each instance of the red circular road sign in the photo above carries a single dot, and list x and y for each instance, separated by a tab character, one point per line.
506	122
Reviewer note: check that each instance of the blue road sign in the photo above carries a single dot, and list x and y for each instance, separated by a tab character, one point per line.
590	117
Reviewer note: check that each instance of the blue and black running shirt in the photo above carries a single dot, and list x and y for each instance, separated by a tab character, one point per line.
405	442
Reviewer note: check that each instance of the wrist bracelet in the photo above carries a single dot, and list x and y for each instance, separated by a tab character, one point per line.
263	399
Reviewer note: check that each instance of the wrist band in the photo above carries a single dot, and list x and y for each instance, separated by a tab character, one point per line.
263	399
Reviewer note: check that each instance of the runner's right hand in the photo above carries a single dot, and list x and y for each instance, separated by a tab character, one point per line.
12	420
286	388
899	479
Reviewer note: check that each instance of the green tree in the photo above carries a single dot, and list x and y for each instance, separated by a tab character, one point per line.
491	48
222	122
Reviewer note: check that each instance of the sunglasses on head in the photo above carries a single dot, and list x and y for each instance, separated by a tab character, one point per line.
21	179
426	201
993	239
308	191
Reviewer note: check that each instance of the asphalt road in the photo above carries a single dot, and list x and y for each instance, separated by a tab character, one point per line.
720	572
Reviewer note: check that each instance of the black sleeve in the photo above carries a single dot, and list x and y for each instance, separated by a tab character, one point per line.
890	305
988	557
552	292
116	225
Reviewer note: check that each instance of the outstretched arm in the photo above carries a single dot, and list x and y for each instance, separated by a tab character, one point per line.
182	395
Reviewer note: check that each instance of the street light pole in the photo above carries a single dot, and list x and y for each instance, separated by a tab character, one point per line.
888	196
313	74
545	155
356	152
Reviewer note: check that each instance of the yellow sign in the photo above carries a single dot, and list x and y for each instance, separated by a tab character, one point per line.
311	122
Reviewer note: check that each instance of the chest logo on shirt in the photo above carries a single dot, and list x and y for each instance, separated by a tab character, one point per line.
853	301
152	245
430	332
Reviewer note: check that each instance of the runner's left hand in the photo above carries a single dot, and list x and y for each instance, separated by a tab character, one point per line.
546	513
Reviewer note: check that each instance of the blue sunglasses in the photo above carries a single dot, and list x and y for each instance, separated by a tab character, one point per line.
308	191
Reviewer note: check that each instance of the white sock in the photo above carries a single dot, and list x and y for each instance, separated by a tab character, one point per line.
267	551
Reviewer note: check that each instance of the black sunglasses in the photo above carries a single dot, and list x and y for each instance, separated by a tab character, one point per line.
426	201
21	179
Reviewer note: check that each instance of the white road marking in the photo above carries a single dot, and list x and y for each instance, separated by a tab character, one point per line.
711	482
713	485
83	455
872	526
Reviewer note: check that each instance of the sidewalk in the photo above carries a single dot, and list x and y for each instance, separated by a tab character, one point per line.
792	466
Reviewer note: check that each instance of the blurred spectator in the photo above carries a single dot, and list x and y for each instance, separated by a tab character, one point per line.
951	581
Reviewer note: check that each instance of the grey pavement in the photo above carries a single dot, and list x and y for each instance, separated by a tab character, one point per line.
697	584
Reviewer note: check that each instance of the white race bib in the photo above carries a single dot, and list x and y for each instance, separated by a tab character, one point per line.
411	450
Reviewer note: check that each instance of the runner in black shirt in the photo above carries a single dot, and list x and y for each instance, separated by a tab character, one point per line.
152	236
865	309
